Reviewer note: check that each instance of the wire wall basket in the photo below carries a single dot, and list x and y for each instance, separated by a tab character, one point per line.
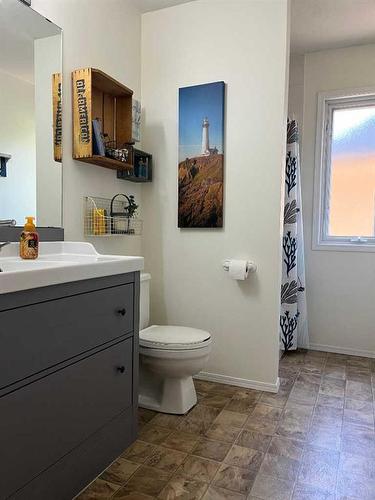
105	217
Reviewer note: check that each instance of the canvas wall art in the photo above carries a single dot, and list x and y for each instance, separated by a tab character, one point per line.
201	156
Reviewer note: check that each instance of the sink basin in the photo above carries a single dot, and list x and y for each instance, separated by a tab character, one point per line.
60	262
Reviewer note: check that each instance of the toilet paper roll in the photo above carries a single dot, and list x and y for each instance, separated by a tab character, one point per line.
238	269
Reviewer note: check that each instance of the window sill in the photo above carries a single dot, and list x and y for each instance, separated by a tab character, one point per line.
343	246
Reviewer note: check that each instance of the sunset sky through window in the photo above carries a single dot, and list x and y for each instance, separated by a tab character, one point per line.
352	198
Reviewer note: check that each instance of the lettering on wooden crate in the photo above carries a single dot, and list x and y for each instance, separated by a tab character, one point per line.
84	123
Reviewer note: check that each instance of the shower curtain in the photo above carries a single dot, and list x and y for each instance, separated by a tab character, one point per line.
293	312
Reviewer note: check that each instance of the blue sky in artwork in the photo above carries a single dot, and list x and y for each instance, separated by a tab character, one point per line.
354	131
196	103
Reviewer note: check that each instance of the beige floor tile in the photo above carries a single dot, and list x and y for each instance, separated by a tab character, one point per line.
216	493
356	464
319	468
328	413
294	423
304	396
305	380
335	371
234	478
325	436
145	416
199	420
272	488
183	488
332	387
312	366
225	390
199	468
120	471
246	458
279	466
358	390
165	459
308	492
214	450
146	480
154	434
358	362
286	447
358	375
181	441
254	440
123	494
216	400
98	490
138	452
243	402
231	418
359	412
355	485
204	385
358	440
166	420
332	401
221	432
263	419
277	400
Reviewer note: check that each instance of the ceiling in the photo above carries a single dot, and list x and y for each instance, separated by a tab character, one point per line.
327	24
19	27
148	5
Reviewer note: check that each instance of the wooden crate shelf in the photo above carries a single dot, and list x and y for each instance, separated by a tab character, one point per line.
97	95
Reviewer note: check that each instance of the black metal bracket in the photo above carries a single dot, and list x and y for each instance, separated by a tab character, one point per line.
3	164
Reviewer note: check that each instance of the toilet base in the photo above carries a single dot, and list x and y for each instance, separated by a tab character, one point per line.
170	395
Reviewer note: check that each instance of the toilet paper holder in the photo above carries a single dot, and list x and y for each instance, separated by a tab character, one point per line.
251	267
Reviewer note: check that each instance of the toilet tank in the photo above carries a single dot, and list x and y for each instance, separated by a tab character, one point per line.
144	301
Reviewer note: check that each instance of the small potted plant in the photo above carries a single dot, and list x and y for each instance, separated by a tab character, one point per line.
131	212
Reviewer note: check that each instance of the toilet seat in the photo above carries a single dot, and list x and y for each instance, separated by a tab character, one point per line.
173	338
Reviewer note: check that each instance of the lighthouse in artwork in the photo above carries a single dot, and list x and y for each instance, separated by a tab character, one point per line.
205	137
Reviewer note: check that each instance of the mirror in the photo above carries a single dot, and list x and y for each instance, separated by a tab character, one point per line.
30	116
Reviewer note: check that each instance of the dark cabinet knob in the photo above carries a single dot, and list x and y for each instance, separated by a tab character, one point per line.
121	369
122	311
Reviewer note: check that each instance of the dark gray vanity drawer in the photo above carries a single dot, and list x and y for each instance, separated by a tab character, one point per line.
35	337
43	421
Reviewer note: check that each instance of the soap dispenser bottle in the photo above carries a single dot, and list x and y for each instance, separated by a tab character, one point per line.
29	241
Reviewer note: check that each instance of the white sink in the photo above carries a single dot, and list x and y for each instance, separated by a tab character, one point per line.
59	262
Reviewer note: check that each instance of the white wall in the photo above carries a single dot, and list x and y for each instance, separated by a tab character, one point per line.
17	138
296	89
244	44
47	61
340	285
104	35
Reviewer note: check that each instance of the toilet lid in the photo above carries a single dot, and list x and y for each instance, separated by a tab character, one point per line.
172	337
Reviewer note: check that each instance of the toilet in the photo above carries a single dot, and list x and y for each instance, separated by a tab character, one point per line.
169	357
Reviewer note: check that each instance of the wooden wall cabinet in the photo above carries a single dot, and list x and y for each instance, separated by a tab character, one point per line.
97	95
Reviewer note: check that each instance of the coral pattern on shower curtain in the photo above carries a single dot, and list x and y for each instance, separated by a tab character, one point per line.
293	313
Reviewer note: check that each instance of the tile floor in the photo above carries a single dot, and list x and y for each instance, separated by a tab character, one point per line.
313	440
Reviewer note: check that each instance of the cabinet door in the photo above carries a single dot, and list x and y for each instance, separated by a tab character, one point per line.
43	421
42	335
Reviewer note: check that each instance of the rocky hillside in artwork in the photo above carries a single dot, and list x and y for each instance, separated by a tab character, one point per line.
200	188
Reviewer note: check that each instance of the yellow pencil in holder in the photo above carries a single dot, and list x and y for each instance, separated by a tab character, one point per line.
98	221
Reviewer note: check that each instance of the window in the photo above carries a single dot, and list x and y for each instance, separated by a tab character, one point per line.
344	205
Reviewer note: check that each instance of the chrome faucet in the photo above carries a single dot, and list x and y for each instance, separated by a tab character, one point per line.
2	245
7	222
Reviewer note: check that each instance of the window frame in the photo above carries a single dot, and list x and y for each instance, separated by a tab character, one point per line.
328	102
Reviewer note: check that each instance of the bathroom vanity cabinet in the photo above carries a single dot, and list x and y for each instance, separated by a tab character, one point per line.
68	384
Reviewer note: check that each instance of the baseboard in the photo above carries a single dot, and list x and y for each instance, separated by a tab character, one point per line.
239	382
342	350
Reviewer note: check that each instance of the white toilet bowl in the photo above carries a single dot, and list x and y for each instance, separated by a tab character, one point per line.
169	357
